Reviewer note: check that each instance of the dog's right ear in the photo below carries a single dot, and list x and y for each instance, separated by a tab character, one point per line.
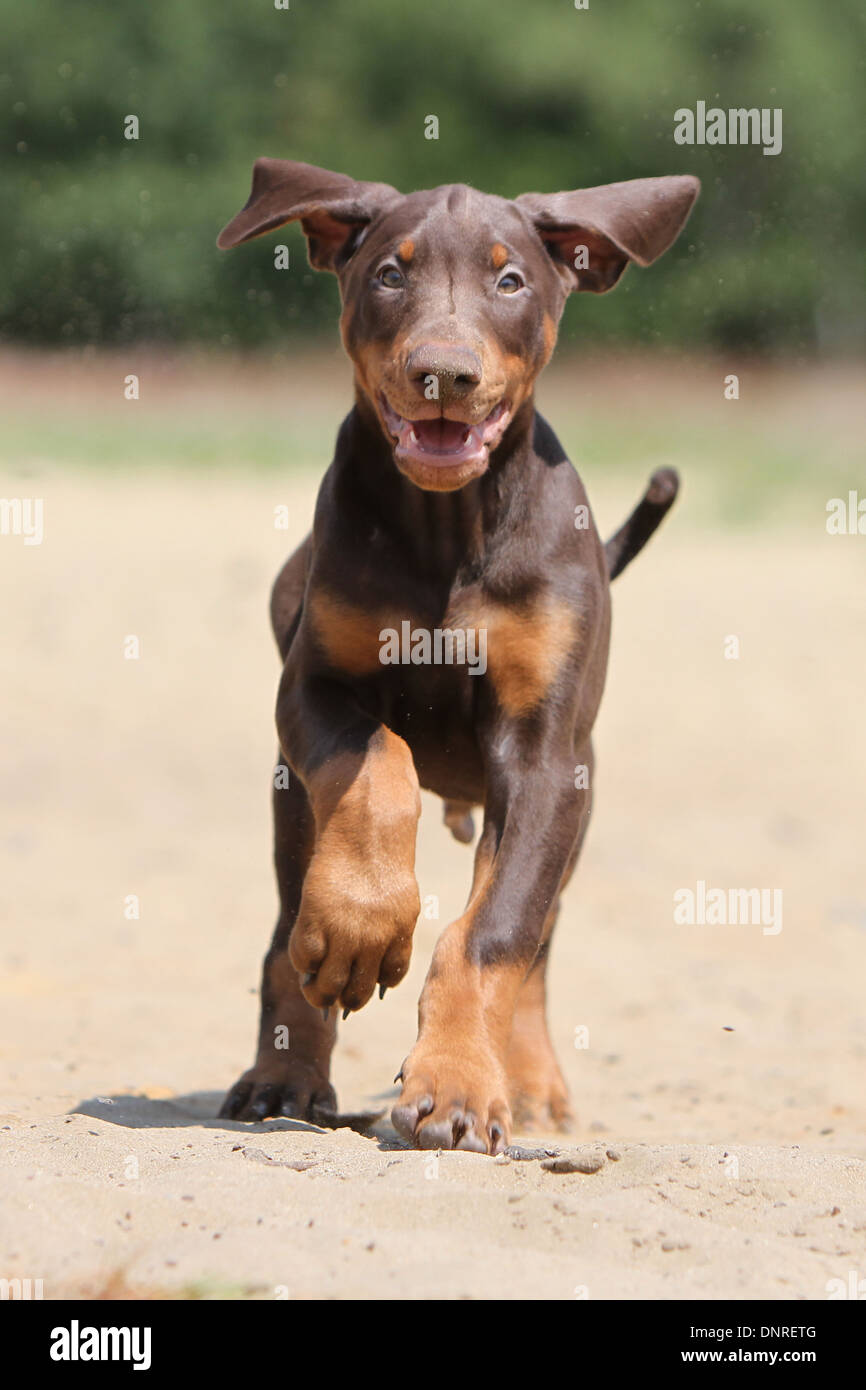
332	208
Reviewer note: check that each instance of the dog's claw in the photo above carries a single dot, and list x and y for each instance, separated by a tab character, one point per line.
382	989
326	1013
346	1013
253	1100
262	1103
308	978
497	1138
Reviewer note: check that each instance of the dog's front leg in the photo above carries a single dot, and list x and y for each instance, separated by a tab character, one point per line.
455	1091
359	902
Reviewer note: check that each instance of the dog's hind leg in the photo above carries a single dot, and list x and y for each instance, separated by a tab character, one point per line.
537	1090
290	1075
291	1070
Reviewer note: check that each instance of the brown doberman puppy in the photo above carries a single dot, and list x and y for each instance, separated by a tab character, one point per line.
450	522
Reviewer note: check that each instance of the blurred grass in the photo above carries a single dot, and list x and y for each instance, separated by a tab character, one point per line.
165	439
107	240
791	441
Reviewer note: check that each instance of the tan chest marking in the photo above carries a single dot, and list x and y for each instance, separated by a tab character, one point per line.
348	633
527	646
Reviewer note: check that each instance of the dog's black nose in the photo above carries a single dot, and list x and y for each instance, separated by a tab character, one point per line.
454	370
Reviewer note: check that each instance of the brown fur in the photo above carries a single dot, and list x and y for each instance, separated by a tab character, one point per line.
468	534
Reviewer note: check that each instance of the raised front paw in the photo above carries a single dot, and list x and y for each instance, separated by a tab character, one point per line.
453	1102
354	930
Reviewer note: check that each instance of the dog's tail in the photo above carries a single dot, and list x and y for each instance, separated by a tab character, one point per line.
634	533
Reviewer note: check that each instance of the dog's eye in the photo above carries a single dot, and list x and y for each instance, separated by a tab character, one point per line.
390	277
510	283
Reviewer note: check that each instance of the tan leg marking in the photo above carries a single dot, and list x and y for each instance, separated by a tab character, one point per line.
455	1088
360	901
537	1090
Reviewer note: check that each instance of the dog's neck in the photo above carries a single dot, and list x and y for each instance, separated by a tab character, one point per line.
446	525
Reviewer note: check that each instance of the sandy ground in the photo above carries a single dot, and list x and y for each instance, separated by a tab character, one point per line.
725	1067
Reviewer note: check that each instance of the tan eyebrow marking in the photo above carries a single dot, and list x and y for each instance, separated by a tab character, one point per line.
498	255
406	250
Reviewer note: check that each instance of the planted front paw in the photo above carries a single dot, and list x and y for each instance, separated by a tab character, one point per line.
453	1102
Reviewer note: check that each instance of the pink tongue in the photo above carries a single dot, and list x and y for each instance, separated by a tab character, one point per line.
440	434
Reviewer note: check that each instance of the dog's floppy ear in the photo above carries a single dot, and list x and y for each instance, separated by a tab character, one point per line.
331	208
593	233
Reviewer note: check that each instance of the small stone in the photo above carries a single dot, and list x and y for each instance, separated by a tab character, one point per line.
523	1155
579	1163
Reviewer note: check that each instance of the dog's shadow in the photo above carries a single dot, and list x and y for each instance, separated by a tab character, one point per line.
200	1110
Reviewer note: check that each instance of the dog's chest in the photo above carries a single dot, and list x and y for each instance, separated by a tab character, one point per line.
440	656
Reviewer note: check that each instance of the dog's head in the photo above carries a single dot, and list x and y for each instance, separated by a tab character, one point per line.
452	298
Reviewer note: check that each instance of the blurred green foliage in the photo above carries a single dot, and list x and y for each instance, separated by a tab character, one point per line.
107	240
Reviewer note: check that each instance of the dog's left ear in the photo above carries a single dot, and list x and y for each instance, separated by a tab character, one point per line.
332	208
593	233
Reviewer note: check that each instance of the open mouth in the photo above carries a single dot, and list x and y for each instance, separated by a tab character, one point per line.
443	443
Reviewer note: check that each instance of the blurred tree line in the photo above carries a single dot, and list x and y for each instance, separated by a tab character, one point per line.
108	240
